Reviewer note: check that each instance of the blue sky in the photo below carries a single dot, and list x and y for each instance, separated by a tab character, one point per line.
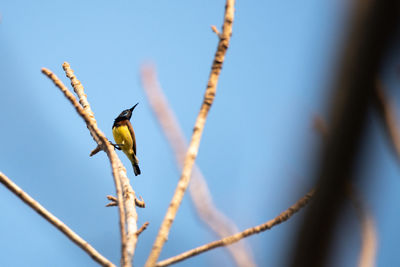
257	151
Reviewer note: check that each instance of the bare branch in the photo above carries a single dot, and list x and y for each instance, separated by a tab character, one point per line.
113	201
223	45
140	202
111	204
198	189
284	216
125	193
95	151
78	88
74	237
371	32
141	229
368	232
387	115
112	198
215	30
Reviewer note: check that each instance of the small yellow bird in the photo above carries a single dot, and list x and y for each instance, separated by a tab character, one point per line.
124	137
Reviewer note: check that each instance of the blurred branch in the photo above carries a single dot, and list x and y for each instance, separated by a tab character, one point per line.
209	95
198	189
74	237
284	216
387	115
369	240
368	232
125	193
372	28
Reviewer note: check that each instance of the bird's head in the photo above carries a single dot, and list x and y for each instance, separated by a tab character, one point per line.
126	114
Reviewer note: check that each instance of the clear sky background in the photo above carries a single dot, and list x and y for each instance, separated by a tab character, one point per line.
257	152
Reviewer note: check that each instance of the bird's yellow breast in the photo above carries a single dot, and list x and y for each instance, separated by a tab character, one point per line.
123	138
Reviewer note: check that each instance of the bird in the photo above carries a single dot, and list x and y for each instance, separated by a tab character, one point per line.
124	137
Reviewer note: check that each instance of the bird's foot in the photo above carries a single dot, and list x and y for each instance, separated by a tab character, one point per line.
116	146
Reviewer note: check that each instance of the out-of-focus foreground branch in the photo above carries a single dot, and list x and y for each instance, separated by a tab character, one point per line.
209	95
125	193
198	189
284	216
48	216
372	28
387	114
368	231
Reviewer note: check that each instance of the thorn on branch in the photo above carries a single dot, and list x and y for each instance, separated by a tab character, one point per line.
140	203
141	229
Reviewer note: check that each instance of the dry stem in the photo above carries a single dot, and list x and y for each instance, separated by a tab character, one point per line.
74	237
368	232
125	193
198	189
284	216
197	132
387	114
142	228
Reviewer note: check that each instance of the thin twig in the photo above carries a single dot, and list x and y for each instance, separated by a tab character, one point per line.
140	202
198	188
387	115
215	30
141	229
74	237
196	136
78	89
113	201
125	193
112	204
284	216
95	151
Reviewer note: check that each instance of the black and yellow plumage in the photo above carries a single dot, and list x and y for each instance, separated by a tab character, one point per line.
124	137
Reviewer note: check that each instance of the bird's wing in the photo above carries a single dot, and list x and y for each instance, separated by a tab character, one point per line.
133	136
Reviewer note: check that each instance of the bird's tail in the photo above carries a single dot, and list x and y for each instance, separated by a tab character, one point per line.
135	164
136	169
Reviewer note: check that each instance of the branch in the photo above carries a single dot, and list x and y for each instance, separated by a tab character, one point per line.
284	216
142	228
387	114
370	35
369	240
198	189
113	201
125	193
196	136
368	232
74	237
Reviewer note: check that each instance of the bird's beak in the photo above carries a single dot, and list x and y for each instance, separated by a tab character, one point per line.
133	107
